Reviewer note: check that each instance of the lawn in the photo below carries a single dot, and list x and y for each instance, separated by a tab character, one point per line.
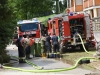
71	57
45	18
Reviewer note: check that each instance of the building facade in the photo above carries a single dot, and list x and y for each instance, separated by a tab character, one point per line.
90	6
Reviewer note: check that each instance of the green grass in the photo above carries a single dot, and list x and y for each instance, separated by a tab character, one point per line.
45	18
72	57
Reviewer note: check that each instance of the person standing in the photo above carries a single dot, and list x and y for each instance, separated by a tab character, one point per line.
48	43
32	45
27	47
43	40
21	52
55	43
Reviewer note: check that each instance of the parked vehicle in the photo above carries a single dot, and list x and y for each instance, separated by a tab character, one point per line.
66	26
30	27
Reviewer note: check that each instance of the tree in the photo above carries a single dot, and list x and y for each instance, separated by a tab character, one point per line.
61	6
33	8
65	4
6	27
57	9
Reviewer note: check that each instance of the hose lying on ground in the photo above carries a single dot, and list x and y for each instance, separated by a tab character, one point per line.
30	63
54	70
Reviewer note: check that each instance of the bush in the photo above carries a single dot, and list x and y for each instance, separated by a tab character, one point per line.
4	57
7	24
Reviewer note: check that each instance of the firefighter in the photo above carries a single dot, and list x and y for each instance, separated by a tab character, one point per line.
43	40
48	43
27	47
32	45
21	52
55	43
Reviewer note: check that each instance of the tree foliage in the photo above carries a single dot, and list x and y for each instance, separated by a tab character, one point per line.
6	25
60	6
33	8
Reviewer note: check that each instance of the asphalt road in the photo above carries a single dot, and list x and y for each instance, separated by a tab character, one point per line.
43	62
46	63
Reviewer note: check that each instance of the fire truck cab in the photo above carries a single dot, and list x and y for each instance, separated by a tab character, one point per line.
30	27
65	26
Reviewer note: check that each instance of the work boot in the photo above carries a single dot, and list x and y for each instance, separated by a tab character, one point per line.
22	61
28	57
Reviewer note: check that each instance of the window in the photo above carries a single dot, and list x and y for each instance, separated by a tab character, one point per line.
28	27
79	2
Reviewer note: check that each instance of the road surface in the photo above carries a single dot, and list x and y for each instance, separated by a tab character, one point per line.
43	62
46	63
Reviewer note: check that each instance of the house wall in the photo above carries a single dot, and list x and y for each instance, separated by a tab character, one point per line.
97	2
90	6
90	3
86	4
79	8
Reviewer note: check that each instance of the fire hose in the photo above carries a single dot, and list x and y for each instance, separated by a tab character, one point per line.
55	70
83	45
30	63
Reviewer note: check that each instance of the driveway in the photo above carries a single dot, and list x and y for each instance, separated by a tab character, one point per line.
42	62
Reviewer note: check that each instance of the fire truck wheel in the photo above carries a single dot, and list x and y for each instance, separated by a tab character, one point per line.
73	47
63	50
86	47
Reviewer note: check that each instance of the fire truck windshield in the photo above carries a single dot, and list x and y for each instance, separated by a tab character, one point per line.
28	26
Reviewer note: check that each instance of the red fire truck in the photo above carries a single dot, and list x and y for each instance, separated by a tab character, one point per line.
34	28
65	26
30	27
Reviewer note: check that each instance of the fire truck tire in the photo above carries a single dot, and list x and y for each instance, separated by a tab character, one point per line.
73	47
63	50
86	46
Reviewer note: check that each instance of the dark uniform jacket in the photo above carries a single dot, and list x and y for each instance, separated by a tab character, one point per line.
48	38
55	40
20	48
